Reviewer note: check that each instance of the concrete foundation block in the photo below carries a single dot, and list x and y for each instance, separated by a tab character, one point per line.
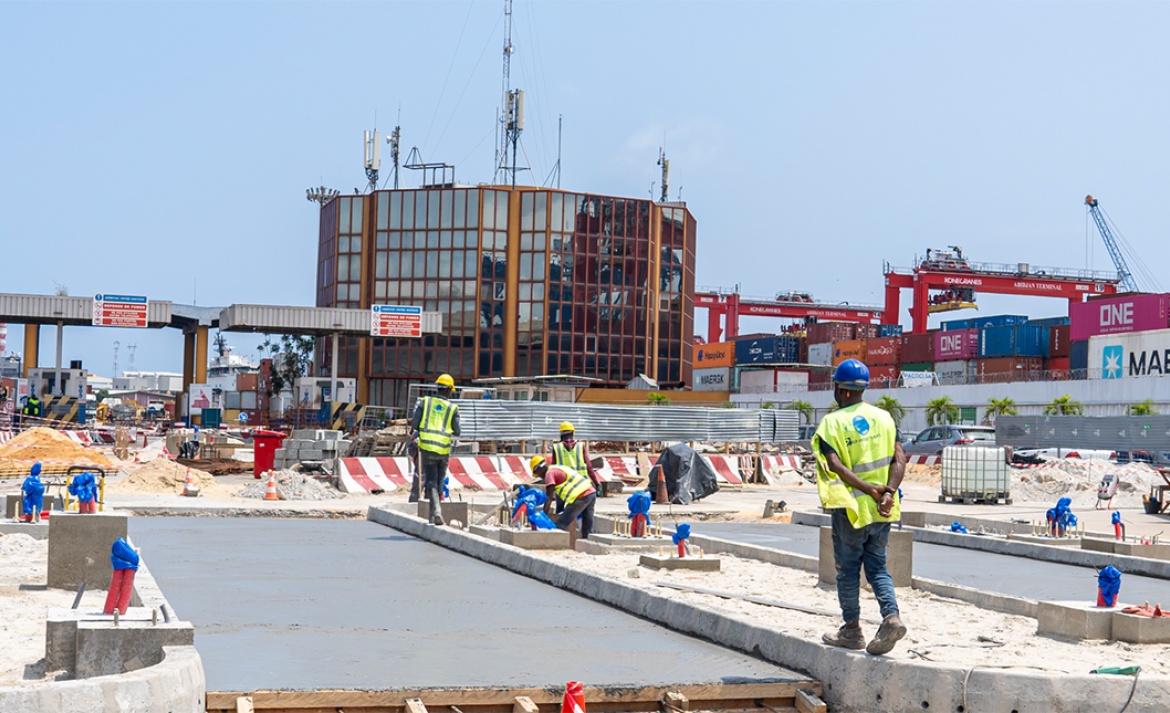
701	564
450	510
1135	549
623	541
536	539
1075	620
1094	544
899	558
104	649
72	538
590	547
1140	629
1045	540
36	530
311	454
491	533
14	504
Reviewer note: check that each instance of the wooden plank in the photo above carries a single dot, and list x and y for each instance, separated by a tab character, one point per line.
809	702
524	704
676	701
244	705
415	705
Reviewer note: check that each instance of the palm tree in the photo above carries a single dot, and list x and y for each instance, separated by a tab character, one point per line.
1143	408
892	406
805	409
768	405
657	399
1064	406
999	407
941	410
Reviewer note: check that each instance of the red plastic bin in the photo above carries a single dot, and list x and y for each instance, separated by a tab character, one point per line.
264	445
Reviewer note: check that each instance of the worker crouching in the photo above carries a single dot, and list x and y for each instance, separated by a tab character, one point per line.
574	491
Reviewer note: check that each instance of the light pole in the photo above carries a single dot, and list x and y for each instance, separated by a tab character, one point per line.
321	194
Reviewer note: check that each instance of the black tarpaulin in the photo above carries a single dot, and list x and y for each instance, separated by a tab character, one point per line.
688	476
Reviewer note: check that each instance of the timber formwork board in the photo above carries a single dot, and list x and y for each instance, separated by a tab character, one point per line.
776	697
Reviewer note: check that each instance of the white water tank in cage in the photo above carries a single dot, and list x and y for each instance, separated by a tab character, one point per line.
975	473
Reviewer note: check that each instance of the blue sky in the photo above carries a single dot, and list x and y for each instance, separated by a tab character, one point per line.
164	148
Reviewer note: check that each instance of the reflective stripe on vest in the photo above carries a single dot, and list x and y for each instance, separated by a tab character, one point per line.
434	432
863	437
572	458
574	486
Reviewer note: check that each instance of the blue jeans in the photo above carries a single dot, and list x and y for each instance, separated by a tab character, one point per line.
852	549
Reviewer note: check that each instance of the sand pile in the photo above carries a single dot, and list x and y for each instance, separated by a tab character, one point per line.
45	444
292	486
1078	479
923	474
162	476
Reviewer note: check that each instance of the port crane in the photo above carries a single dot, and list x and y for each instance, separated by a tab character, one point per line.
727	306
1124	275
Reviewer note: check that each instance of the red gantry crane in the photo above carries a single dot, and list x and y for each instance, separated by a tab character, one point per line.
728	306
955	281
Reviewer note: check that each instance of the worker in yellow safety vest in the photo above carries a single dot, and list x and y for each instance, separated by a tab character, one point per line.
860	464
573	490
573	454
436	420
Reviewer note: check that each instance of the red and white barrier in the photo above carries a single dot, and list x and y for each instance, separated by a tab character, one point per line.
365	475
726	468
772	466
618	469
923	460
483	473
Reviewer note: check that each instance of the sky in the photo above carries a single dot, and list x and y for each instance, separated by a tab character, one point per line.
164	148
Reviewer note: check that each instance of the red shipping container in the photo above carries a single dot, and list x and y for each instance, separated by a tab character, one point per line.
884	352
1059	341
1008	369
866	331
884	377
246	382
821	332
956	345
1057	369
1115	315
816	378
802	351
917	348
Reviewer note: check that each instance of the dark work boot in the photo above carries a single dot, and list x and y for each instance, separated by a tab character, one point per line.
888	634
849	636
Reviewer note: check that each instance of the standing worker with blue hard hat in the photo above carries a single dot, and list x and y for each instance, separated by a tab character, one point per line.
572	454
860	464
437	421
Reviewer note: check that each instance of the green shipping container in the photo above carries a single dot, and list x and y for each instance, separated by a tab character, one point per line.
919	366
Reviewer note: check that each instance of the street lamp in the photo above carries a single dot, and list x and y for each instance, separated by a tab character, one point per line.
321	194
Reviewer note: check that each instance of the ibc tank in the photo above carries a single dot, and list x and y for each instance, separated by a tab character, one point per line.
975	472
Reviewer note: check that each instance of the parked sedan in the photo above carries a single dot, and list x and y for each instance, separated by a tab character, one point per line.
931	441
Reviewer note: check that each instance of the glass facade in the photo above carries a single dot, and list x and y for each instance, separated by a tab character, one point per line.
528	282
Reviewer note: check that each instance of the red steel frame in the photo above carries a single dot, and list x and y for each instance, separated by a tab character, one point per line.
732	306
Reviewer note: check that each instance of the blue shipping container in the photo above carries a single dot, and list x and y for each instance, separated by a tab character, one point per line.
955	325
1078	357
889	330
999	320
1023	340
767	350
1049	322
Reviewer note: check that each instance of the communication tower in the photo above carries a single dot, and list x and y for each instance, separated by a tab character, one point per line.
665	163
116	345
371	157
512	112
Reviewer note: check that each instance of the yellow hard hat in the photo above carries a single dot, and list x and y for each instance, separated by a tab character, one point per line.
566	426
445	380
537	462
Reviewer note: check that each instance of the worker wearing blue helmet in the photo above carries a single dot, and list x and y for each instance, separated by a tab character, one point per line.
860	464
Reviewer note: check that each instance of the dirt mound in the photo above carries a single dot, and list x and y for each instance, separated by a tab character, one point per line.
45	444
923	474
162	476
1078	479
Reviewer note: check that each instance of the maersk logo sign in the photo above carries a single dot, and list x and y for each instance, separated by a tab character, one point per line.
1111	359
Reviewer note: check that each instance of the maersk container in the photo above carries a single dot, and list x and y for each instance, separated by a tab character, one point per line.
767	350
1115	356
717	379
889	330
1020	340
1078	355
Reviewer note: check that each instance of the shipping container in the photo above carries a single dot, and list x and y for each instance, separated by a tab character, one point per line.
956	371
1050	322
956	344
955	325
246	382
1078	356
999	320
885	351
918	366
820	354
1007	369
851	349
821	332
889	330
1057	368
884	377
866	331
1115	356
1119	315
767	350
717	379
802	351
819	378
1059	342
771	381
917	348
1016	341
714	354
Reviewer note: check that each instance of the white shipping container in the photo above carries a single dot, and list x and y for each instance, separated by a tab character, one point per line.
1115	356
716	379
771	381
959	371
821	354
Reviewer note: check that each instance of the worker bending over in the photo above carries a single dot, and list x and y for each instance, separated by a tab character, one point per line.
573	490
437	421
573	454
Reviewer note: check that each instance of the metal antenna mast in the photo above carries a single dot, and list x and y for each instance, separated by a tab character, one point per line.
502	129
116	345
371	157
665	163
394	139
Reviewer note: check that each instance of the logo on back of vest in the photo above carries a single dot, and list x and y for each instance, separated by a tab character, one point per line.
861	424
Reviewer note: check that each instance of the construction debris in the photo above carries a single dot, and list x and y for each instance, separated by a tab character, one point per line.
292	486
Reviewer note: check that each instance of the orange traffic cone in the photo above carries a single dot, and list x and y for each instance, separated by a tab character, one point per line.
270	492
574	700
189	488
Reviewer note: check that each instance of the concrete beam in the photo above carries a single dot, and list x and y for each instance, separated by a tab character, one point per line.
73	538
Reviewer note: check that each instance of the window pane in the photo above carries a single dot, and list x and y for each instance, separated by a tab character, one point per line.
407	239
432	239
447	207
380	266
342	292
392	290
526	266
432	209
420	209
391	265
379	290
537	316
420	264
556	211
355	244
343	244
432	290
395	209
355	216
355	267
342	269
407	211
526	218
457	264
539	241
382	240
525	241
538	290
394	241
444	264
460	198
469	262
538	266
383	208
407	265
445	239
525	290
539	217
501	210
489	265
501	241
473	209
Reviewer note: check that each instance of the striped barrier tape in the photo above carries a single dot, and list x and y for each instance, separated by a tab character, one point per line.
923	460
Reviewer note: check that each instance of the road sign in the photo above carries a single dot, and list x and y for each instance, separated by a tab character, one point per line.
120	311
396	321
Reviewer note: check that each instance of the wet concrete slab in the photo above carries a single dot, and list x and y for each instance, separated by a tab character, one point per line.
307	604
1002	574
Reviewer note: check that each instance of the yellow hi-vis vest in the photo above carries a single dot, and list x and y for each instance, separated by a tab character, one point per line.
864	438
434	432
571	458
574	486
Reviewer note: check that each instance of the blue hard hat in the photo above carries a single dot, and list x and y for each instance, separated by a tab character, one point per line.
851	374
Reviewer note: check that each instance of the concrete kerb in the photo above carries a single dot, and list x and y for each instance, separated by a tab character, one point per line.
852	681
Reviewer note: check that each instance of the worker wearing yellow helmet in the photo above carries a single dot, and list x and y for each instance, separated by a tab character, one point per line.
573	454
573	491
436	420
